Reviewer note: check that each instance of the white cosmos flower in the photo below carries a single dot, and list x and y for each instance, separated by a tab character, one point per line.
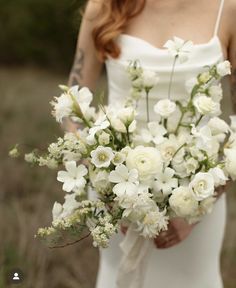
218	175
165	108
73	177
147	160
102	156
153	223
202	186
230	165
165	181
126	180
183	202
223	68
179	48
206	106
155	133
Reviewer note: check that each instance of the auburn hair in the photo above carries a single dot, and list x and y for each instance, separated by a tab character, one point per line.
113	18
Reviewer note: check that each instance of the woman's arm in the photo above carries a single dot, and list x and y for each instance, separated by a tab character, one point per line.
86	68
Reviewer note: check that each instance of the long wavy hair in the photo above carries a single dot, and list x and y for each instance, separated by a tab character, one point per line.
113	18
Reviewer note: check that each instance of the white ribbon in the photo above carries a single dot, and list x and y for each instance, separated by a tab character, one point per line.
132	268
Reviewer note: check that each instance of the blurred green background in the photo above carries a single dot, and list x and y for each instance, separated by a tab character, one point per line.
37	44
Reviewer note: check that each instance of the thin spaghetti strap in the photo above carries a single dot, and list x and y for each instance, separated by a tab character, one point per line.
218	18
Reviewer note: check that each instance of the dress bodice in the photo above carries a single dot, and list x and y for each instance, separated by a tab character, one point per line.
160	61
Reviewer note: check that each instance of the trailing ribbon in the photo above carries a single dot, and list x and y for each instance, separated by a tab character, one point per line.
132	268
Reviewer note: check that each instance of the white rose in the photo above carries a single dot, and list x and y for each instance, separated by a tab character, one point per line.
165	107
147	160
182	202
205	105
216	92
202	186
150	79
223	68
230	165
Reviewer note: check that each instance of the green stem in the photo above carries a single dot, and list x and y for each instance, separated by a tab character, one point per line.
147	105
179	123
198	121
171	77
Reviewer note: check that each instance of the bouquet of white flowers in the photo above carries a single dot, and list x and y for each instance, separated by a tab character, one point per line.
143	175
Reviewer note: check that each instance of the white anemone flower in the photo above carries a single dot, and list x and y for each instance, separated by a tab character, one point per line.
179	48
126	180
73	178
102	156
165	181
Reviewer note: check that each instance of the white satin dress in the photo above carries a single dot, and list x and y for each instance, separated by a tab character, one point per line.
195	262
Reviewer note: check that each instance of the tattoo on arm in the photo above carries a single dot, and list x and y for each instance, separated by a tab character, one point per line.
76	72
233	89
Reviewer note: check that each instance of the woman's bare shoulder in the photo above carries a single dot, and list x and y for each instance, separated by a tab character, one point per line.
93	8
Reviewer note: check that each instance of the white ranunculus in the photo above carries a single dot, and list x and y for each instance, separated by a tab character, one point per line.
147	160
102	156
179	48
230	165
182	202
223	68
202	186
126	180
73	177
150	79
165	107
218	175
233	122
205	105
168	149
216	92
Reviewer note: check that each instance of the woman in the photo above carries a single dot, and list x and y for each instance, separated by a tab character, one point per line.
115	31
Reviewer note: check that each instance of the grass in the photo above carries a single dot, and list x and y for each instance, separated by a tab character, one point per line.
27	195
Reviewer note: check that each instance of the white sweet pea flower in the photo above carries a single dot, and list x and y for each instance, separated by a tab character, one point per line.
233	122
100	124
230	165
102	156
216	92
218	127
155	133
223	68
150	79
206	106
218	175
73	177
202	186
165	181
179	48
183	202
126	180
63	106
165	108
204	139
147	160
63	211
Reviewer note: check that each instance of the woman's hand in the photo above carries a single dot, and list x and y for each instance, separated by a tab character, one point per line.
178	230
